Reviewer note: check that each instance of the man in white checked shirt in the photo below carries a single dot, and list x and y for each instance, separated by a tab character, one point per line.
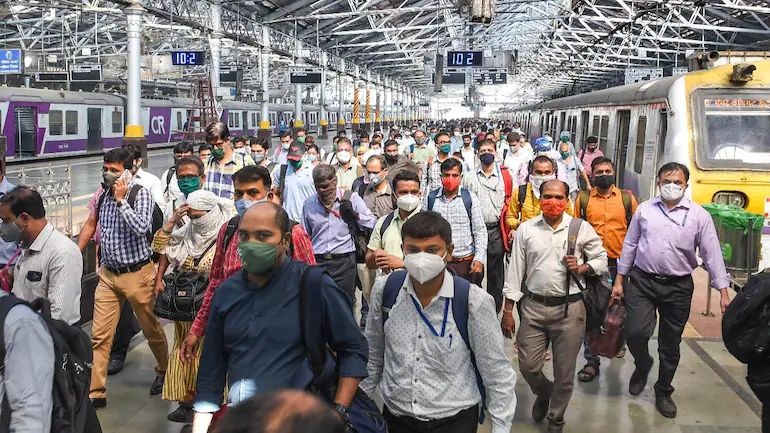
50	265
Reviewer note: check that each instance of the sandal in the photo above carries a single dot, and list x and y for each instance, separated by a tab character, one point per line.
588	373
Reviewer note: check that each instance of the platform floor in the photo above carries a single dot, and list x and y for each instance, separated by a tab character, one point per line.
712	396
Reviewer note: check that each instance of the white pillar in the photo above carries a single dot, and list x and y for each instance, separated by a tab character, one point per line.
134	127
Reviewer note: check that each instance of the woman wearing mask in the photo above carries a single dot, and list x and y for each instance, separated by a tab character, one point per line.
572	169
189	248
312	155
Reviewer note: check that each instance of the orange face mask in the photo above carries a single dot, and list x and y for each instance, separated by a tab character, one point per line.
553	207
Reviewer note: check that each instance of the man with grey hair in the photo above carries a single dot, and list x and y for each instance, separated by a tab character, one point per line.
334	217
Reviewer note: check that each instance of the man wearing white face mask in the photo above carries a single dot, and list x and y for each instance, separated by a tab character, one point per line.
347	170
425	361
658	257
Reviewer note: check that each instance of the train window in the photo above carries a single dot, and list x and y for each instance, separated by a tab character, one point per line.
641	134
179	124
117	121
254	122
604	132
55	122
71	122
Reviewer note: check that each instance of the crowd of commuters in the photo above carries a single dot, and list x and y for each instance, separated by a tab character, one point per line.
467	217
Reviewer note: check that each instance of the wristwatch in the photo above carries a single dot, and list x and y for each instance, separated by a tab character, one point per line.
344	413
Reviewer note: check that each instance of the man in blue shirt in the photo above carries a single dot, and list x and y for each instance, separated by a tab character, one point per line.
254	337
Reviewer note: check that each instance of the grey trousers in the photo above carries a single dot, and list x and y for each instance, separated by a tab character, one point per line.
343	271
541	325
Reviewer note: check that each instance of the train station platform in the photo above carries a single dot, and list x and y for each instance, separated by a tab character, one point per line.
711	390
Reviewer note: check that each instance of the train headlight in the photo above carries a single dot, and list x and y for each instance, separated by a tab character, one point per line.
743	73
735	198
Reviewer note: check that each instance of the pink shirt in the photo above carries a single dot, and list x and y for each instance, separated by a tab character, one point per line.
587	157
92	208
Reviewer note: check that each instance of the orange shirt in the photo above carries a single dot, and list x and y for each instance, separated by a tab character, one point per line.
607	215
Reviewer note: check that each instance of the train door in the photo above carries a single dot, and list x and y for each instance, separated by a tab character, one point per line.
624	123
245	116
25	130
562	122
94	129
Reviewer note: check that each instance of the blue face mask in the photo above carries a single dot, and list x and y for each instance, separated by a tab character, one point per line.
242	205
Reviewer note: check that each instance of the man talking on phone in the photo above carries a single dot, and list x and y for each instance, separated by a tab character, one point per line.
126	271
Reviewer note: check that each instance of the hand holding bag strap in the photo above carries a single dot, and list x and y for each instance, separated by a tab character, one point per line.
572	234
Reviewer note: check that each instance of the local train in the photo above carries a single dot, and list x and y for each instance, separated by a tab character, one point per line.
38	122
715	121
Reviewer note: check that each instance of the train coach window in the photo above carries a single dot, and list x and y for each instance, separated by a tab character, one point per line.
117	121
55	122
595	126
604	132
641	134
179	123
71	123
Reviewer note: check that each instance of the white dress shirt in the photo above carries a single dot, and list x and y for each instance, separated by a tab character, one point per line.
170	186
430	377
51	268
152	184
537	257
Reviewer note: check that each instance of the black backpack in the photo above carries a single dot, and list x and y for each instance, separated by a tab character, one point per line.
157	214
169	176
746	322
73	358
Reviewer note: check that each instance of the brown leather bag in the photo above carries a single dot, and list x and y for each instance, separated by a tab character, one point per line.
608	339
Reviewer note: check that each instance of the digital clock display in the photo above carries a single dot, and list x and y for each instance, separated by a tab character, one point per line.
464	58
188	58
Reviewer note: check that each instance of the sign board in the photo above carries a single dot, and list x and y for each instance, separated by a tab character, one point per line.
487	77
635	75
86	73
188	58
48	77
452	76
679	71
11	62
464	59
229	75
219	109
305	75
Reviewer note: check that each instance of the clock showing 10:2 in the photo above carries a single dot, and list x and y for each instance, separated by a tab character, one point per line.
188	58
464	58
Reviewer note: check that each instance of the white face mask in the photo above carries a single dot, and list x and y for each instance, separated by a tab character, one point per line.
343	156
285	146
671	192
242	150
536	181
408	202
424	266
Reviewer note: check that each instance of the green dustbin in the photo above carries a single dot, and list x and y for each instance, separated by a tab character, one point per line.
740	236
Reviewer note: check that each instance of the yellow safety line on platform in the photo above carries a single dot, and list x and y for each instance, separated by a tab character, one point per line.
690	331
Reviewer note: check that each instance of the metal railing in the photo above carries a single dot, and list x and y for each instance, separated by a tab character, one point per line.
54	183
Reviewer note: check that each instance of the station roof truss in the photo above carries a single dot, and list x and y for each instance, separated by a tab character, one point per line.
563	46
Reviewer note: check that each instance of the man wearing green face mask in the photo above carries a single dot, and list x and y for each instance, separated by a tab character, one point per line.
190	177
430	176
270	354
224	162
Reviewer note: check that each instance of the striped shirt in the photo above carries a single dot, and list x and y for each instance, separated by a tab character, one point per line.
219	178
490	190
430	176
468	237
124	230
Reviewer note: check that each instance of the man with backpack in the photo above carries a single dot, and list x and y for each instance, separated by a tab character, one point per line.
224	161
462	209
551	255
125	218
492	183
436	369
255	339
609	210
252	185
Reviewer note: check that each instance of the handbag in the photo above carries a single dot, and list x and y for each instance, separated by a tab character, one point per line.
608	339
597	290
184	293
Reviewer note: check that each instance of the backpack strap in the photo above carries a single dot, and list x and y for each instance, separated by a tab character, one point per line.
583	198
132	193
386	223
460	313
282	180
312	313
232	226
362	189
507	182
432	198
626	195
99	204
468	202
169	175
522	195
390	293
572	234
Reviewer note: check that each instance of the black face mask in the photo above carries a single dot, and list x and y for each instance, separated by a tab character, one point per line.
391	159
604	181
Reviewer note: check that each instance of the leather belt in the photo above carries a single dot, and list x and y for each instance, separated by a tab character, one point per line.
462	259
662	278
493	225
552	301
329	256
128	269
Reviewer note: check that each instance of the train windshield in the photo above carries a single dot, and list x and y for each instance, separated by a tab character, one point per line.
735	129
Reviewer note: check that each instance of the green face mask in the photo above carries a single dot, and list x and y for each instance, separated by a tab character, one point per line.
565	155
188	184
301	139
257	257
218	153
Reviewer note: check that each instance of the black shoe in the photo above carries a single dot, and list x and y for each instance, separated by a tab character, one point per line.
665	405
115	366
99	403
555	428
157	385
183	414
639	378
540	408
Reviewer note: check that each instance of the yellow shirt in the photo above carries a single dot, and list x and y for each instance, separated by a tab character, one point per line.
517	213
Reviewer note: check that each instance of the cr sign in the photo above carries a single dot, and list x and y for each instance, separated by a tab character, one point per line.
157	124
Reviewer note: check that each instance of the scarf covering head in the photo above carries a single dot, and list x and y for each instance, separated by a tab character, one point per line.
192	239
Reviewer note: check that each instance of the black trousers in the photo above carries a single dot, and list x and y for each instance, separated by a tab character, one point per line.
343	271
495	265
644	295
465	421
128	326
758	378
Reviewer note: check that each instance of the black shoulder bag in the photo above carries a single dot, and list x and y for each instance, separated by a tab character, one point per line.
184	293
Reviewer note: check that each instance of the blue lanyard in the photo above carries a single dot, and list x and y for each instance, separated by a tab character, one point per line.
684	220
425	319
